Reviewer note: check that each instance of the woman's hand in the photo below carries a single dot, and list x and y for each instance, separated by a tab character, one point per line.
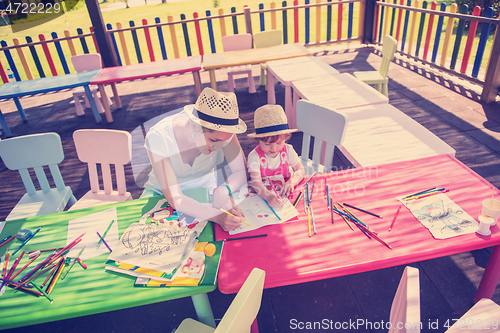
229	222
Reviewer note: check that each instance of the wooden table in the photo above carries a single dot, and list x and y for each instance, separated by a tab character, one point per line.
380	134
112	75
90	291
213	61
339	91
288	70
289	256
18	89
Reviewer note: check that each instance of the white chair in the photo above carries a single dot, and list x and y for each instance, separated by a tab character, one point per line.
405	309
483	316
81	63
266	39
240	314
236	43
36	151
380	79
104	147
326	126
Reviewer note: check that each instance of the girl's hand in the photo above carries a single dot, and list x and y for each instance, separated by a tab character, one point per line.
274	201
286	189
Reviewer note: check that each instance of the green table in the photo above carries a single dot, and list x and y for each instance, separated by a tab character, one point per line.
90	291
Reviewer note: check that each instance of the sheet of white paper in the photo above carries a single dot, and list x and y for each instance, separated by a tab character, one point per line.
258	214
90	225
2	224
443	217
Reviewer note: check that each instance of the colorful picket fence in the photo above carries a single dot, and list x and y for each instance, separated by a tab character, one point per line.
427	34
149	41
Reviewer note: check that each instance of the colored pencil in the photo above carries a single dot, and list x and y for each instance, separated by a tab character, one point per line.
305	200
425	195
245	237
312	189
50	275
14	266
24	283
362	210
46	250
271	209
331	210
5	269
357	218
297	200
309	221
307	192
274	189
7	239
104	235
307	181
40	290
80	261
411	195
328	197
22	268
334	207
312	217
225	211
98	235
78	256
56	276
395	217
27	240
377	238
37	267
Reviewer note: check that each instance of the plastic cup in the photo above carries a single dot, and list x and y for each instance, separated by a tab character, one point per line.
491	208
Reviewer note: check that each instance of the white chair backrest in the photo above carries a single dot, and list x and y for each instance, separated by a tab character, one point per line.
237	42
34	151
267	38
245	306
325	125
86	62
388	51
104	147
405	309
484	315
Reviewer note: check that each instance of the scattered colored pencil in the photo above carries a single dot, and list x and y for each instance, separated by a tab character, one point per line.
5	269
357	218
307	192
312	217
78	256
297	200
309	221
27	240
225	211
334	207
104	235
104	241
274	189
245	237
420	192
362	210
395	217
328	198
307	181
22	268
80	261
43	292
56	276
305	200
330	202
312	190
7	239
428	194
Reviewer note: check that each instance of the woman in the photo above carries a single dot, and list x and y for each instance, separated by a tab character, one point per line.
184	149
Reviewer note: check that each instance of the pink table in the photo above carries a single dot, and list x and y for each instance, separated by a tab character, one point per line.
288	70
289	256
142	71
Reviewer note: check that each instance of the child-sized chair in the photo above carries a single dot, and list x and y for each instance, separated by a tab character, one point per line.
104	147
266	39
484	315
36	151
405	309
81	63
380	79
235	43
327	126
240	314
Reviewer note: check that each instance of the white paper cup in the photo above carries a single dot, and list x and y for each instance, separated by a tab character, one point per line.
491	208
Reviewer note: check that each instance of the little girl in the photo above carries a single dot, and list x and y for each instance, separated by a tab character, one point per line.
273	163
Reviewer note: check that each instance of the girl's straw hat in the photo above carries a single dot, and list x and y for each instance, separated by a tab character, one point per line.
270	120
217	111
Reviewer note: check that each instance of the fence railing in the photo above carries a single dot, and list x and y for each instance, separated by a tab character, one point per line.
427	35
418	30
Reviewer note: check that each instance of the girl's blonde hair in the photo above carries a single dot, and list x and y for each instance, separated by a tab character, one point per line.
274	138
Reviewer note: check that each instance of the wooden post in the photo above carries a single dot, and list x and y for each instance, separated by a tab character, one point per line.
248	20
491	85
101	35
369	21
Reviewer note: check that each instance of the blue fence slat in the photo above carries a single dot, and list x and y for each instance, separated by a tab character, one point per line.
210	32
159	31
439	30
36	59
10	60
350	20
405	27
329	21
83	41
485	31
285	23
261	18
115	46
60	53
381	25
307	22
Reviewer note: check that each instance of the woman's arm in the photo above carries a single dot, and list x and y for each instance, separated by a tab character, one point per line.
237	163
167	179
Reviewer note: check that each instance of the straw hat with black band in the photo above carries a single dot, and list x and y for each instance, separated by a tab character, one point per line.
270	120
217	111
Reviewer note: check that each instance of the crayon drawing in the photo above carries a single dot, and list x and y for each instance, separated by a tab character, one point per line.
443	217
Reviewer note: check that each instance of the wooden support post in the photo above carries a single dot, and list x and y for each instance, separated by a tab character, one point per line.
491	85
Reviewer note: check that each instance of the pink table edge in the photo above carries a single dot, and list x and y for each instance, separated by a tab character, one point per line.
488	282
